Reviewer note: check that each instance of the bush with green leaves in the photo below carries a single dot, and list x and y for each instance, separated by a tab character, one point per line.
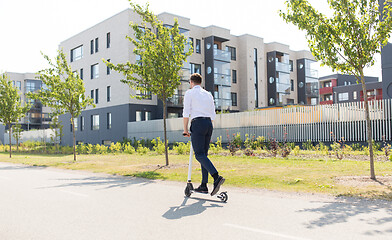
308	145
296	150
128	148
356	147
142	150
182	148
89	148
158	146
217	147
115	147
81	148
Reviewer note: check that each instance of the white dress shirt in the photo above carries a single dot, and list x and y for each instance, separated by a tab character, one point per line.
198	103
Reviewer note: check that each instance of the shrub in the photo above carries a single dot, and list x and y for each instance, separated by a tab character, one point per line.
142	150
115	148
158	145
181	148
233	144
308	145
260	143
248	146
102	149
296	150
81	149
128	148
356	146
89	148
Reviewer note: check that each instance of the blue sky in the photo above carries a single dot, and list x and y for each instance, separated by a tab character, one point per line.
29	27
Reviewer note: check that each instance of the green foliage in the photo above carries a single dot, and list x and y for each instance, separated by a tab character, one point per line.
308	145
296	150
217	147
158	146
142	150
162	52
115	148
89	149
128	148
81	148
260	143
64	92
17	133
182	148
234	144
356	147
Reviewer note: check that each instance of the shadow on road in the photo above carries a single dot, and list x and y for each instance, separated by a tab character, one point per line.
341	211
104	182
189	210
19	167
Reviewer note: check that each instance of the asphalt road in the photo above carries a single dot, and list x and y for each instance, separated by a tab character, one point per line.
46	203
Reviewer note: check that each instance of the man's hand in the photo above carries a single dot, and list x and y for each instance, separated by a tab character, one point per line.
186	134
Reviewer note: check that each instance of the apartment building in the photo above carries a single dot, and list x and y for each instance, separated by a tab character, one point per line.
38	117
341	88
242	72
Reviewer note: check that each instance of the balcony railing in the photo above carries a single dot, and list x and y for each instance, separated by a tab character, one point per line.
282	67
222	55
283	88
175	100
222	79
221	103
312	73
326	90
326	102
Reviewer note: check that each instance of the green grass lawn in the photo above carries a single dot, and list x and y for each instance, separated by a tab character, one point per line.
293	174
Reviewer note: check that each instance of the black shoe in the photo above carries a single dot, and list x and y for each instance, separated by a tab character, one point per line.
217	183
201	189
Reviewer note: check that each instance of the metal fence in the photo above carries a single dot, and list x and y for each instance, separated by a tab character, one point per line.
299	123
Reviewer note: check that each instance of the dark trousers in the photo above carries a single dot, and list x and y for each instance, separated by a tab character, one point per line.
201	130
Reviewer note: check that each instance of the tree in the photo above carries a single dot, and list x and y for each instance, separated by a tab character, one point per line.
162	52
57	129
16	133
346	41
11	109
64	92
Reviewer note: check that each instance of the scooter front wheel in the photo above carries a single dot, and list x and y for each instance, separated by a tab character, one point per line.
187	191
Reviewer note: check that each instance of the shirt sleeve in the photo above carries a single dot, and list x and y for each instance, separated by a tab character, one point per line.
212	108
186	112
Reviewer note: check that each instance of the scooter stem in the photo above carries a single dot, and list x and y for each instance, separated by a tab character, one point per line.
190	164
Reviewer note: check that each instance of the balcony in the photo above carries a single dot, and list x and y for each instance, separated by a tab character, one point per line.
312	73
326	102
373	97
221	103
222	55
222	79
282	67
283	88
176	100
326	90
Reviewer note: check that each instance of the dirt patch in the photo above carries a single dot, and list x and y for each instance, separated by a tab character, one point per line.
356	181
171	166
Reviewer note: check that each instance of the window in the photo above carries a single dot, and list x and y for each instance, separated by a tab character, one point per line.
77	53
108	94
18	85
138	116
355	95
233	99
233	52
109	120
81	73
92	47
92	95
108	69
292	85
144	94
195	68
147	116
198	46
234	76
81	124
343	96
192	44
256	79
108	40
76	124
96	45
172	115
94	71
95	122
291	66
96	96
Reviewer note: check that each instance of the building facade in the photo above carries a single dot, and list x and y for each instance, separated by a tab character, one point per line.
242	73
38	117
340	88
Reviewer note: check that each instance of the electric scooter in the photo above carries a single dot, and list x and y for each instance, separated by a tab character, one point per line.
189	186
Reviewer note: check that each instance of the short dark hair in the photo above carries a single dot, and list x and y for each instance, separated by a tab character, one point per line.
196	78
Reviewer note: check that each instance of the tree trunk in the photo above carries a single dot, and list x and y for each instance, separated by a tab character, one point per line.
74	138
164	132
369	128
9	134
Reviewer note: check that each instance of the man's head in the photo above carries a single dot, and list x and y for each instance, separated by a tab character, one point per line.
196	79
